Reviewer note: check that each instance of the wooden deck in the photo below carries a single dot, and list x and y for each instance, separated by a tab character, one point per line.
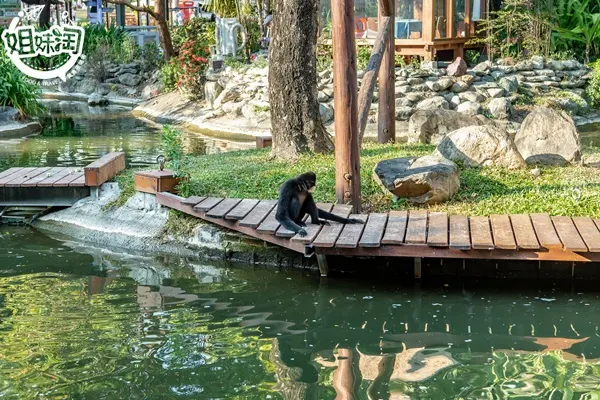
415	233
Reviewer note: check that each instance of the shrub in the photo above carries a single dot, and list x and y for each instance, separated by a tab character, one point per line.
177	160
593	89
16	90
151	56
186	71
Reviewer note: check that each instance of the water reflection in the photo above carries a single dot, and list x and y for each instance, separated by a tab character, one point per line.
75	135
83	323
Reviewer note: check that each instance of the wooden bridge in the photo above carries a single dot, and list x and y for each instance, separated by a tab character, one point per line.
416	233
55	186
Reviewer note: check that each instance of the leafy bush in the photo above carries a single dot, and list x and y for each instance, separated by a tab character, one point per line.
176	158
119	46
195	29
363	53
16	90
577	28
186	71
151	56
593	89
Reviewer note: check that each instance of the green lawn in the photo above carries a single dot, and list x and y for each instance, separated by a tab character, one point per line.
572	190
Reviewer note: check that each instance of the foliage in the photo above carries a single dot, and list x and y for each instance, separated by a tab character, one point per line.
593	89
177	160
194	29
169	74
16	90
251	22
472	57
578	23
97	61
324	56
363	54
225	8
151	57
190	67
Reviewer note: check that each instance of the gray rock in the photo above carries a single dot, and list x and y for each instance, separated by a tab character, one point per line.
133	65
152	90
130	79
510	84
545	72
482	68
571	64
403	113
430	126
565	103
233	108
230	93
8	114
470	108
96	99
495	93
555	65
433	103
537	62
325	74
415	81
480	146
457	68
88	85
103	89
459	86
425	180
111	81
414	97
471	96
448	96
507	69
401	90
433	86
549	137
500	108
403	102
497	74
526	65
328	91
445	83
322	97
454	102
212	90
123	71
326	112
420	88
468	79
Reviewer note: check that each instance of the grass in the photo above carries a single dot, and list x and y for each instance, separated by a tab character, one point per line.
572	190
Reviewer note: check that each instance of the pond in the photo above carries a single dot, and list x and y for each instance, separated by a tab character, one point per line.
75	135
82	323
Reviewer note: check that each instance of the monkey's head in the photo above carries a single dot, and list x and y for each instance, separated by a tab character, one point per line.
307	182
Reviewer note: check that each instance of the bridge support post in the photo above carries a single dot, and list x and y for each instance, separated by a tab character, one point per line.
323	266
417	268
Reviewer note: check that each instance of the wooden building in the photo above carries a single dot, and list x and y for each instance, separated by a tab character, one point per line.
421	27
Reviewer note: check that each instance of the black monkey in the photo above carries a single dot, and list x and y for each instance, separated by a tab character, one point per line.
295	201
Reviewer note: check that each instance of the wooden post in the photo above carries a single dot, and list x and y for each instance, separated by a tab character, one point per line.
468	8
450	28
365	95
386	124
428	27
347	148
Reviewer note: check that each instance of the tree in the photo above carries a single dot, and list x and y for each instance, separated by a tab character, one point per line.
158	12
296	124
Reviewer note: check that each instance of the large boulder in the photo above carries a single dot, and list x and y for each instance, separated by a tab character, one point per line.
471	108
457	68
549	137
500	108
480	146
430	126
8	114
510	84
433	103
425	180
129	79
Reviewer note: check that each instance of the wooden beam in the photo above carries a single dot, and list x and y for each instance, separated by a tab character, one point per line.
370	78
428	21
450	29
468	8
347	147
386	123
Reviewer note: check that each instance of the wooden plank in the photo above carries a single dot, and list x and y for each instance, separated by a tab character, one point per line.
567	232
79	182
545	232
329	234
9	171
104	168
51	180
65	181
437	229
459	233
396	228
207	204
351	234
258	214
270	224
373	231
284	232
481	234
416	230
17	182
502	232
312	230
33	182
193	200
524	232
15	175
589	233
221	209
241	210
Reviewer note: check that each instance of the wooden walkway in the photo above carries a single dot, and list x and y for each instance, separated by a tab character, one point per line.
56	186
415	233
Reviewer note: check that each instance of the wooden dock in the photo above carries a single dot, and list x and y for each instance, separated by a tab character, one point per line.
56	186
416	233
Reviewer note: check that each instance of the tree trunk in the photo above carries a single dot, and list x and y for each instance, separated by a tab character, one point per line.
296	124
163	29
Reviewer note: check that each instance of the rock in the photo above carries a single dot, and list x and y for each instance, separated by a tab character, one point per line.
403	113
152	90
570	64
230	93
322	97
212	90
526	65
459	87
536	172
564	103
480	146
495	93
425	180
434	86
537	62
545	72
415	81
403	102
133	65
497	74
401	90
103	89
325	74
326	112
8	114
555	65
96	99
457	68
510	84
233	108
328	91
433	103
129	79
88	85
468	79
507	69
482	68
454	102
500	108
420	88
430	126
548	137
414	97
470	108
471	96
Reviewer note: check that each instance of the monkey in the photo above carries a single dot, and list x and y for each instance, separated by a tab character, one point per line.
295	201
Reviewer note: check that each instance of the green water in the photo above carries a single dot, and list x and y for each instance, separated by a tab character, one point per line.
75	135
80	323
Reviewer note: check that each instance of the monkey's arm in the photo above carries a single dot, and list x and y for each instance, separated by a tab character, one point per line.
342	220
283	216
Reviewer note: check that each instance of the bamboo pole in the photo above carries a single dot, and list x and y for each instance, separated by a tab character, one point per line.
386	123
347	147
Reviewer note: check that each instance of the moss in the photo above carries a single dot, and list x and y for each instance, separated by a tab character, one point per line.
252	174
